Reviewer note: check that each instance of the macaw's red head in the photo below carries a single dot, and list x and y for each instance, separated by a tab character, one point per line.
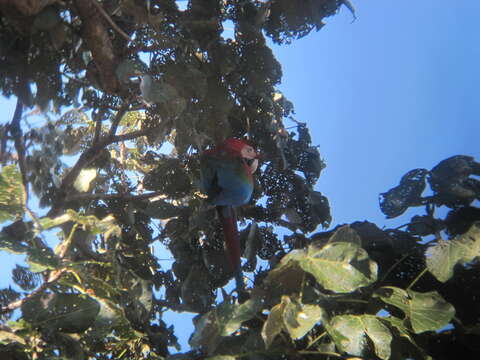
243	149
240	147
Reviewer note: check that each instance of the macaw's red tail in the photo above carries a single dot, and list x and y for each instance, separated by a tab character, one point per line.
232	242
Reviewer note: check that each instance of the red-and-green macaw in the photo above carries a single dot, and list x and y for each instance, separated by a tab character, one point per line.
227	178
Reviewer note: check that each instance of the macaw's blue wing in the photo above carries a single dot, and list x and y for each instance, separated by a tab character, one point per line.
225	180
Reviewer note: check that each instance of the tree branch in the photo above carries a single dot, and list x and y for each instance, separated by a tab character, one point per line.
17	134
103	196
98	40
54	276
130	136
89	156
110	21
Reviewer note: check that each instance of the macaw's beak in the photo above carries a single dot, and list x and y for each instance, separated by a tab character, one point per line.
252	164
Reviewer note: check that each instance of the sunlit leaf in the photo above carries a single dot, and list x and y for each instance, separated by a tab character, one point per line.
274	324
353	334
300	318
339	266
425	311
10	193
7	337
84	179
445	255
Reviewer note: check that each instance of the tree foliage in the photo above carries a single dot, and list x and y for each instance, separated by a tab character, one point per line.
116	100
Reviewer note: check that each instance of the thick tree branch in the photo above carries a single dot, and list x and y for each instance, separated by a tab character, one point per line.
99	42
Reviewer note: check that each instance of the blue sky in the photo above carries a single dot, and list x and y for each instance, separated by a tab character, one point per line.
392	91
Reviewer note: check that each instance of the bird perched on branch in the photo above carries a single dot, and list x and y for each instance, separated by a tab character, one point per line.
227	178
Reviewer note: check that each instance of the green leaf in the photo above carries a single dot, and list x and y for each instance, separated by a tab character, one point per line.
84	179
274	324
230	317
10	193
346	234
442	258
292	316
338	266
353	333
70	313
424	311
7	337
12	245
139	302
300	318
222	321
41	260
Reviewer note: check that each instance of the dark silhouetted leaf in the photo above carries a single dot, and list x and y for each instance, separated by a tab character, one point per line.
70	313
160	209
451	182
24	278
42	259
395	201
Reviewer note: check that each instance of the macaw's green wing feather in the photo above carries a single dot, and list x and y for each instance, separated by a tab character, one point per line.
208	176
225	180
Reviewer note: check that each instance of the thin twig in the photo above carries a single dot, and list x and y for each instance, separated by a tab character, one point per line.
316	339
130	136
110	21
116	121
417	278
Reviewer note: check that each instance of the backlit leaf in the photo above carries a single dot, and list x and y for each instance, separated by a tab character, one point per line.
443	257
425	311
10	193
339	266
274	324
353	334
84	179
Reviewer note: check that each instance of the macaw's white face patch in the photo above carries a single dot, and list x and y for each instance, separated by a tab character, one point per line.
248	152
